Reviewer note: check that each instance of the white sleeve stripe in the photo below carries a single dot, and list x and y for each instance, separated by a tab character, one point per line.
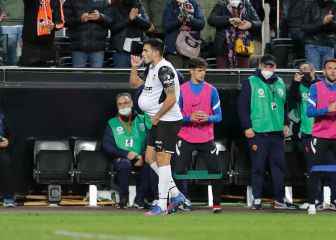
312	102
216	106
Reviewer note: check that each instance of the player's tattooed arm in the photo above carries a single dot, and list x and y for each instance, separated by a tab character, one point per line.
167	78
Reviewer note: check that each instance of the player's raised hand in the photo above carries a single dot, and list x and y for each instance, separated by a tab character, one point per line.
136	61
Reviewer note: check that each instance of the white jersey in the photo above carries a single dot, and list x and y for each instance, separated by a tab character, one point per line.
153	94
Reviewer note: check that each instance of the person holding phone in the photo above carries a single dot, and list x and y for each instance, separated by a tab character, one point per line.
87	23
320	32
130	22
6	168
232	19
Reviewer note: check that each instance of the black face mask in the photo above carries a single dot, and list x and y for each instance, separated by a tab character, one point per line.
307	78
129	3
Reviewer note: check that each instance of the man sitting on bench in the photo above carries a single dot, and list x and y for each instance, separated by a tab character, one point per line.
125	140
200	106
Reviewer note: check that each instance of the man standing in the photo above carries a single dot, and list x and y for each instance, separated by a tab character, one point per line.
42	18
87	24
11	20
322	107
159	96
298	98
200	107
125	140
319	29
261	108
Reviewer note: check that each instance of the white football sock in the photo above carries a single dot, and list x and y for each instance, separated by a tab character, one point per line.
173	190
163	186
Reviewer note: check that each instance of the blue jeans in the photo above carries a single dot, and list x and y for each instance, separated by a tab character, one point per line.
317	55
14	35
81	59
121	60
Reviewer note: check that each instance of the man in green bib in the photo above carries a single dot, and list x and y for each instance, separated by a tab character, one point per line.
261	108
298	98
125	140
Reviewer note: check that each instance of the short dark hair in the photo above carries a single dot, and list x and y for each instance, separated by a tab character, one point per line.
329	61
197	63
123	94
268	59
156	44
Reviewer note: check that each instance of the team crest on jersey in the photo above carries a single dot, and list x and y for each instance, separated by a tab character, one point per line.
305	96
281	92
261	92
120	130
142	127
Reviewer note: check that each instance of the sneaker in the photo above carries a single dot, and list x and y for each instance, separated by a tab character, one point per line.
9	203
186	206
138	205
156	211
332	206
283	205
175	202
256	204
304	206
320	207
216	208
122	204
311	209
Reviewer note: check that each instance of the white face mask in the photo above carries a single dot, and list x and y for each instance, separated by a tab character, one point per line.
235	3
125	111
267	74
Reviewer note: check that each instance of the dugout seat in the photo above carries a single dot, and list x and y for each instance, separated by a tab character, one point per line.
92	165
198	167
53	162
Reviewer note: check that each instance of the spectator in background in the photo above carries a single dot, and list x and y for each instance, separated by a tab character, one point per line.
125	140
320	32
257	33
41	19
11	20
87	24
6	167
154	9
129	22
234	20
261	108
292	23
181	15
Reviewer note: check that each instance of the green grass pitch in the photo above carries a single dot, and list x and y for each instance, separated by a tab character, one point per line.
118	225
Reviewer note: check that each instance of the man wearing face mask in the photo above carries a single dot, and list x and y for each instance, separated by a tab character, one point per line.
322	107
125	140
298	97
261	108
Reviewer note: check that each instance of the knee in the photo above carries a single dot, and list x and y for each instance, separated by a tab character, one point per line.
123	165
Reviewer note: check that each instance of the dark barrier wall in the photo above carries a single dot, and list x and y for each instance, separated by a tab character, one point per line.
64	103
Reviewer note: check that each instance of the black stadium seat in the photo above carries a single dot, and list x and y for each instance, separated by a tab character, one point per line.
92	165
53	162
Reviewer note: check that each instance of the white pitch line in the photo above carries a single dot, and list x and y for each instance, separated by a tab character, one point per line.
79	235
